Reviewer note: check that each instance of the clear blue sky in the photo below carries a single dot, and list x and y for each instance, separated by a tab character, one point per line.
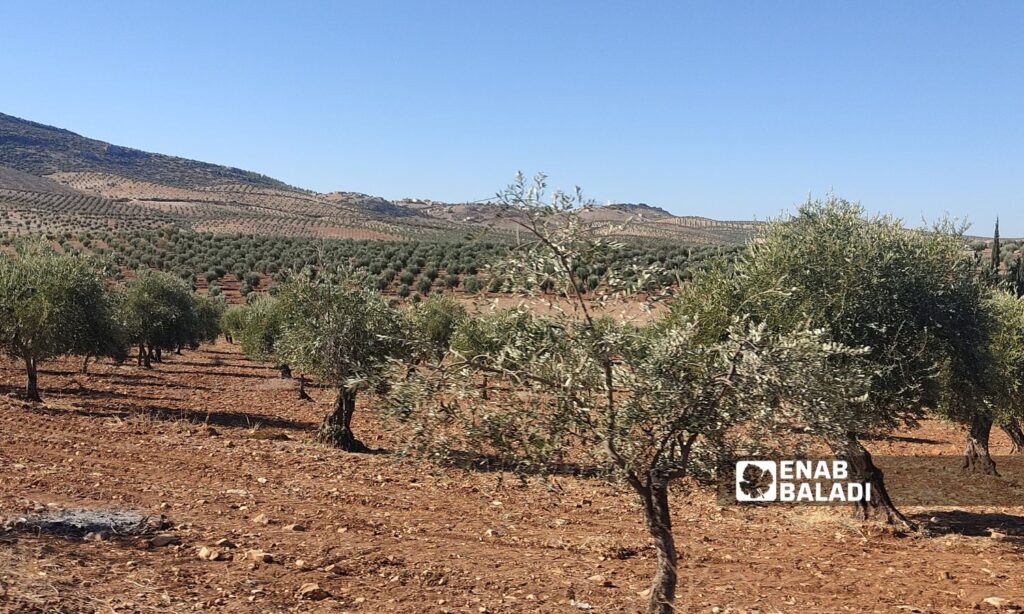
725	109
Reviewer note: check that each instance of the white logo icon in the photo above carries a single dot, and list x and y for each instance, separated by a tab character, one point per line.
756	480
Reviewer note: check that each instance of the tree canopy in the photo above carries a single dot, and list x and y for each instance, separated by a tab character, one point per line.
341	334
52	304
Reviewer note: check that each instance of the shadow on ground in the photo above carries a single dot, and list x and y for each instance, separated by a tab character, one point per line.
174	414
972	524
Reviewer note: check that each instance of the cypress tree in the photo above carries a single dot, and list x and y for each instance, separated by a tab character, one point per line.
995	249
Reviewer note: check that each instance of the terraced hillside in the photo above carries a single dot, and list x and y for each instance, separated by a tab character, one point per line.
24	212
53	180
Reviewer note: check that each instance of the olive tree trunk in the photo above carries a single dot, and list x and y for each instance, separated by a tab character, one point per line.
85	363
863	469
286	371
32	383
337	427
1012	429
654	496
977	458
303	396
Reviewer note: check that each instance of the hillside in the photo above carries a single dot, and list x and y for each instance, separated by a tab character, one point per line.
40	150
12	179
53	179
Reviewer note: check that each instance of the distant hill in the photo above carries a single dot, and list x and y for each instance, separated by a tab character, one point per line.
39	149
53	179
630	211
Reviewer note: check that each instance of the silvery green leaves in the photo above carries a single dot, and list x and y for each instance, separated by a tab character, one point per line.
654	401
725	397
558	254
337	331
158	310
431	324
1003	392
906	295
258	326
52	304
649	396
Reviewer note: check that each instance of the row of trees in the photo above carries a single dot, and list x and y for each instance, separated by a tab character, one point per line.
832	323
401	267
55	304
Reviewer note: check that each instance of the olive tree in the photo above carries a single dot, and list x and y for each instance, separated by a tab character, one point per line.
259	330
51	304
158	313
232	321
654	402
998	395
259	327
911	296
103	335
478	336
344	336
204	326
431	325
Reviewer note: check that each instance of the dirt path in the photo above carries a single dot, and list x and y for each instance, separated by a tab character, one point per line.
213	441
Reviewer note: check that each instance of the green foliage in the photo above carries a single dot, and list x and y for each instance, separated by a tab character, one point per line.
432	323
1004	397
232	321
159	311
260	327
207	313
908	296
503	339
52	304
338	332
996	251
451	260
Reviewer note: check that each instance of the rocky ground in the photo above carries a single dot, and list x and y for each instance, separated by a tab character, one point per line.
215	450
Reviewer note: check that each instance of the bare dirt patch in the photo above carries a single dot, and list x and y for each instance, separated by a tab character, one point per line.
220	447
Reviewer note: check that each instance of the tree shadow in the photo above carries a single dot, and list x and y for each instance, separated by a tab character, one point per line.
231	419
78	390
216	373
65	372
163	384
902	439
489	463
223	353
172	414
131	377
972	524
217	363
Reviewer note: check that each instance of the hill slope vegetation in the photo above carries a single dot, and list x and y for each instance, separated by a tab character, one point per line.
54	180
